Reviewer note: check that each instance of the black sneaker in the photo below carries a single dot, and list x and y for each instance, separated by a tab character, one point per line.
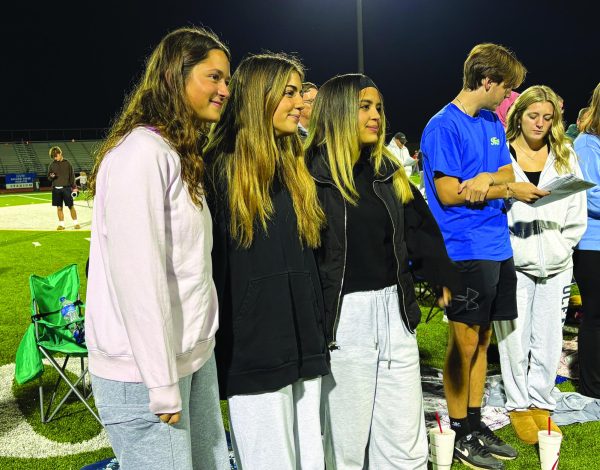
470	452
497	447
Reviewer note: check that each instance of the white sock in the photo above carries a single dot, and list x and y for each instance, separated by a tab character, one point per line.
61	223
75	222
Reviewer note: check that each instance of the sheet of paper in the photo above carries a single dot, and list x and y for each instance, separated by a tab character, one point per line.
561	187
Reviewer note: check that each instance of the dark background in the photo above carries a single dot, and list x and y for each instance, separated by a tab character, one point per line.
69	65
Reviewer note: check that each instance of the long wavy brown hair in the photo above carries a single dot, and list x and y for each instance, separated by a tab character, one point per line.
245	155
159	101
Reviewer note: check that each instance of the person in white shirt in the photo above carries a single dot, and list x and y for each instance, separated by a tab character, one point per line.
398	148
82	180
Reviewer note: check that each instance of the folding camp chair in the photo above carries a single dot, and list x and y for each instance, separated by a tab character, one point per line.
53	337
426	297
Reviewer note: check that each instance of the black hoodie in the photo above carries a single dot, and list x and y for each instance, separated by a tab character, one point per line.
271	313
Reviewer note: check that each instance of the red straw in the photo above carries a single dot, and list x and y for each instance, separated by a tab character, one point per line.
548	425
437	417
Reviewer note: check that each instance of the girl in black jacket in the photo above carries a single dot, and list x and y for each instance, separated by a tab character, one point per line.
271	350
378	229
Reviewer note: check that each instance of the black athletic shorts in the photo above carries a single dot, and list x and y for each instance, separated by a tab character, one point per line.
491	293
62	196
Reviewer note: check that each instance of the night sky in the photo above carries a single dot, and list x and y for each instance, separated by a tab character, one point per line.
69	65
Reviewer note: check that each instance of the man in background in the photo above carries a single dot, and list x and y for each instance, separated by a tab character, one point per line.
398	148
62	176
309	92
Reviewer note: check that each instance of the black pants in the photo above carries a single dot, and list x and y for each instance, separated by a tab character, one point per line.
587	276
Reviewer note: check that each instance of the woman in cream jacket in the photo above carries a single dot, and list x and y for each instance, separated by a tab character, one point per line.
542	237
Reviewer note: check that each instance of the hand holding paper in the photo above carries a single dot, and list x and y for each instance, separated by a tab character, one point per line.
527	192
561	187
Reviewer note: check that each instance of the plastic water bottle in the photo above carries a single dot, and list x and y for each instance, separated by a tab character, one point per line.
70	313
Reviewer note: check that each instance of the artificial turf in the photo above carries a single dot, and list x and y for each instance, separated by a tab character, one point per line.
20	258
25	199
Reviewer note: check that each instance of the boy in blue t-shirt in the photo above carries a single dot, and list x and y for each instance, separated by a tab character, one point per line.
467	166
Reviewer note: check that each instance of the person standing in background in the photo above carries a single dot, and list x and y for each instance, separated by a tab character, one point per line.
62	176
82	179
309	92
587	253
502	109
397	147
574	129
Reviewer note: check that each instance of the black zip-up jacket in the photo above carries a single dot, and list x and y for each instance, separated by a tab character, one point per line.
418	245
271	330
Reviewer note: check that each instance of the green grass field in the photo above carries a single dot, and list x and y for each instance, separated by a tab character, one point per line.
20	258
24	199
44	197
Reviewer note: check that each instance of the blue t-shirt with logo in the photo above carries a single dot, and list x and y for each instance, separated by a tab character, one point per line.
456	144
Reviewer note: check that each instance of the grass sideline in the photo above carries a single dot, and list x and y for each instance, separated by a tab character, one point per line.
21	258
23	199
42	197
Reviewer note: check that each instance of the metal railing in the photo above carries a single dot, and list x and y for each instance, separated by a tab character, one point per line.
37	135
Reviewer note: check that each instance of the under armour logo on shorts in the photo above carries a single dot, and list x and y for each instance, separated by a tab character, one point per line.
470	298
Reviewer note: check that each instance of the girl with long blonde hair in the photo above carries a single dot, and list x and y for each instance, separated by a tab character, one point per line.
542	237
587	253
378	229
271	350
151	314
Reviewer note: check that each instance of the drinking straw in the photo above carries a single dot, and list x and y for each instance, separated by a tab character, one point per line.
437	418
548	425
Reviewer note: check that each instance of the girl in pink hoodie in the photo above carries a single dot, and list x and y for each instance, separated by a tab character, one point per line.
151	302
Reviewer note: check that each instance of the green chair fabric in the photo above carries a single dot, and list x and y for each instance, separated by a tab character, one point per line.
49	334
53	332
28	365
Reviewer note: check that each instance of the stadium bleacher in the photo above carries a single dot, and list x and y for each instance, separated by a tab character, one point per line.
9	160
32	157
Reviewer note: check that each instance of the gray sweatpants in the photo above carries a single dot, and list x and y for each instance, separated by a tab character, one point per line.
278	430
372	400
141	441
530	346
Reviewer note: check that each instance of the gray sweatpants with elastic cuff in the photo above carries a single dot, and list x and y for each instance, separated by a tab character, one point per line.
530	346
278	430
141	441
372	400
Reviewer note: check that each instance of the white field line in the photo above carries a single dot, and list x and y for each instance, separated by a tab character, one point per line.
49	199
40	217
29	197
19	439
13	195
38	198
